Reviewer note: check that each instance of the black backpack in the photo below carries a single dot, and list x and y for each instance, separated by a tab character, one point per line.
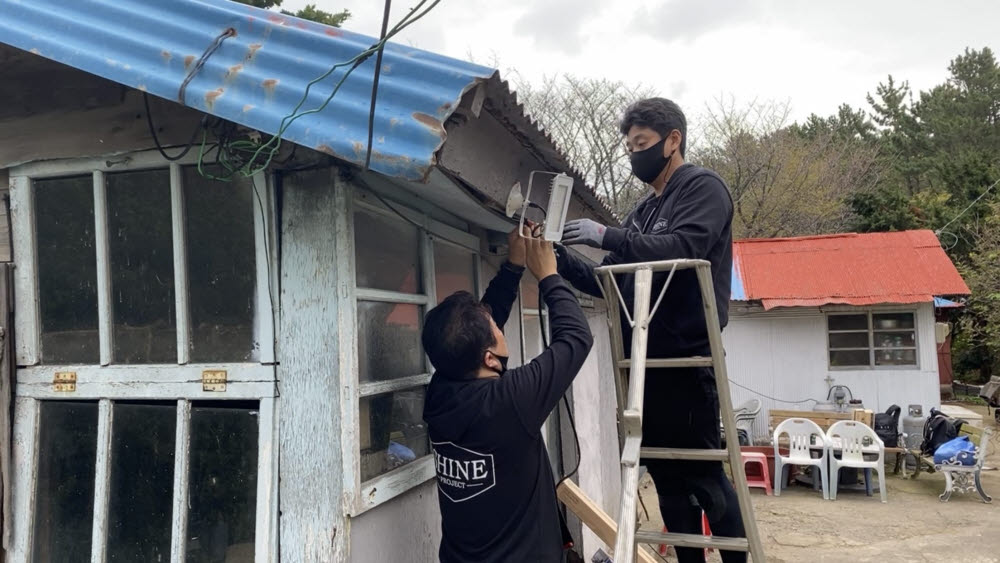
886	425
939	429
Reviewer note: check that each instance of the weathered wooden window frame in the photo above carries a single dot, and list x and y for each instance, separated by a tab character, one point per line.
107	382
872	349
363	496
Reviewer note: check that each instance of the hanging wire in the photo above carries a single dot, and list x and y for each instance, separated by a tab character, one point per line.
974	202
246	154
378	72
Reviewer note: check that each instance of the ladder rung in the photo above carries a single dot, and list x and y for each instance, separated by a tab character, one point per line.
684	454
692	362
692	540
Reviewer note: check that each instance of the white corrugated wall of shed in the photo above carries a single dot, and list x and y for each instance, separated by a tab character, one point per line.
780	357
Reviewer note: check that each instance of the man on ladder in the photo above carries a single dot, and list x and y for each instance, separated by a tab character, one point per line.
688	215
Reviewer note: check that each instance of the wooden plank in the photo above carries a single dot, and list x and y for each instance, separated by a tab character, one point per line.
593	516
177	217
146	373
25	459
808	414
102	483
28	322
265	313
266	528
311	376
7	370
389	385
5	242
390	485
148	391
182	452
105	310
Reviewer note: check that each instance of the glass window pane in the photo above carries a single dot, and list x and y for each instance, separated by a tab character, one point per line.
895	339
848	322
850	358
64	502
221	267
895	357
454	270
386	253
67	269
849	340
393	432
142	482
389	341
223	489
142	267
890	321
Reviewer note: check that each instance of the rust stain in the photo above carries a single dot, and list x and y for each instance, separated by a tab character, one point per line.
326	149
270	85
233	71
393	122
166	56
247	108
444	107
430	122
399	160
211	96
333	32
386	68
301	25
188	61
359	149
277	19
252	51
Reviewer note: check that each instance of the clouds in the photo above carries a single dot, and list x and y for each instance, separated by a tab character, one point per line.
818	55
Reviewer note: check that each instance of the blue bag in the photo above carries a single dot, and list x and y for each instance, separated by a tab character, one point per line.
960	449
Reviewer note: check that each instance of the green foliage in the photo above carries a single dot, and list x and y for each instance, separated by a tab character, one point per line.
310	12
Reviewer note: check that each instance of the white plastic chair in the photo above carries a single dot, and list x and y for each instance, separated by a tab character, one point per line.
803	436
855	439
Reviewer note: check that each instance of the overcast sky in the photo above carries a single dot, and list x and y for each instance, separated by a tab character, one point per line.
816	55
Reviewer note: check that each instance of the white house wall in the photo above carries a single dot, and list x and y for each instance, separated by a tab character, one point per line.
783	354
595	409
406	528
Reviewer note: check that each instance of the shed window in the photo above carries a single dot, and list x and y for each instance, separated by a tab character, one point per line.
870	340
403	267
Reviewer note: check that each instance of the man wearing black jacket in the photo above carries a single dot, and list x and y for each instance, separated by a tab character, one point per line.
495	485
687	215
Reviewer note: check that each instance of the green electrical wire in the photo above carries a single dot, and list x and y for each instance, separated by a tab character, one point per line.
255	150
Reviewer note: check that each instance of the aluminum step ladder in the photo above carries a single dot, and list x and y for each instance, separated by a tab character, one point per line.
630	377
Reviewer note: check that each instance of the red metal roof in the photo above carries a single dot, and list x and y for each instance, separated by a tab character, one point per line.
853	269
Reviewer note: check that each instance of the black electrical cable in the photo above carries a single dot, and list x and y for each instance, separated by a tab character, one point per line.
229	32
156	138
378	71
565	399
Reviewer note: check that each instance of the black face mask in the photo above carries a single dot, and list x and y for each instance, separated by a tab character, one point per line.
647	164
503	363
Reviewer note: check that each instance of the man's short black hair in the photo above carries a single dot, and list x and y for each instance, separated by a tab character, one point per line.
660	115
457	333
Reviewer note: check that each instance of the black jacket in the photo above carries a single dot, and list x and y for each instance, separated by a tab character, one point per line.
495	485
691	219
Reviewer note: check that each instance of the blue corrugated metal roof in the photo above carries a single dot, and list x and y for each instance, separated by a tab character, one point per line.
257	76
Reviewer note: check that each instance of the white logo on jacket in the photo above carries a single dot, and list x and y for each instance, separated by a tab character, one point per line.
462	473
659	226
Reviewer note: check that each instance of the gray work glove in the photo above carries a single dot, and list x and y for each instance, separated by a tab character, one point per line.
584	231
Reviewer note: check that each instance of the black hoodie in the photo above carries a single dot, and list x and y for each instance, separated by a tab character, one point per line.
495	484
691	219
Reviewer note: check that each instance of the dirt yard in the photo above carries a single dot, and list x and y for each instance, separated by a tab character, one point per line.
799	526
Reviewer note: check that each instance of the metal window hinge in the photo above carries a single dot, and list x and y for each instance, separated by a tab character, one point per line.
64	381
213	380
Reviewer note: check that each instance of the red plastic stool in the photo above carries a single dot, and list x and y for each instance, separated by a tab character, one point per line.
762	479
705	531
